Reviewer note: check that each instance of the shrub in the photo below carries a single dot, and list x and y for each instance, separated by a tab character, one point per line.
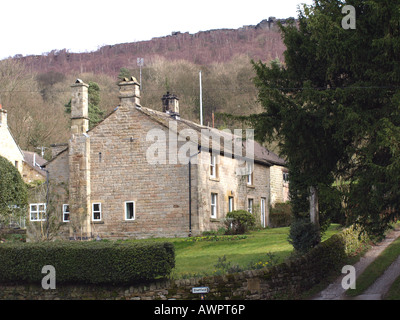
281	215
303	235
86	262
239	221
223	266
13	192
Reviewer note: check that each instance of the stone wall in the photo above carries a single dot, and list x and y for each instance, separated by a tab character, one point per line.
30	174
284	281
228	184
279	188
121	172
249	285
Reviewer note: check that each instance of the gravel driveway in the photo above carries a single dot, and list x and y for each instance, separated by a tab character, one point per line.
379	288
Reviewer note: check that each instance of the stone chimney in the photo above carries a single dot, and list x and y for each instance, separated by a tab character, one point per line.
79	107
79	163
170	103
3	117
129	92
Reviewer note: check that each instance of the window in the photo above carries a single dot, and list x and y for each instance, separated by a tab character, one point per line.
249	173
250	205
16	164
96	211
285	177
130	210
37	212
214	198
230	204
213	165
65	213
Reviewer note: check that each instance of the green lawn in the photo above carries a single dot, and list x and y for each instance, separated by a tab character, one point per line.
199	258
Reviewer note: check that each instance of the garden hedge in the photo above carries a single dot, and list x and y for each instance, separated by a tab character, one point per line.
92	262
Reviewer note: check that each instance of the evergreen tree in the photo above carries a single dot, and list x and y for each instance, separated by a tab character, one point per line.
334	105
13	192
96	114
124	73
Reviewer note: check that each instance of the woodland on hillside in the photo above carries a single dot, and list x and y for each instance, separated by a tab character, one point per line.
36	89
202	48
36	101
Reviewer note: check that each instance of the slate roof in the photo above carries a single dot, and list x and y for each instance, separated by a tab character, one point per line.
261	154
35	161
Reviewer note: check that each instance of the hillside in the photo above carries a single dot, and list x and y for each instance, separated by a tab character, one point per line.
259	42
36	85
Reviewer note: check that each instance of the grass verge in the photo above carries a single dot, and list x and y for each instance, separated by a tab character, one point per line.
394	291
376	269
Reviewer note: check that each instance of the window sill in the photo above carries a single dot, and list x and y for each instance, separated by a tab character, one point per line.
215	220
214	179
97	222
130	221
252	186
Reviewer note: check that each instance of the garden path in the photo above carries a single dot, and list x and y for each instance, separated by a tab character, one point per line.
379	288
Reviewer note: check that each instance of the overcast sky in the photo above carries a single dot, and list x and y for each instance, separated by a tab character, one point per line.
35	27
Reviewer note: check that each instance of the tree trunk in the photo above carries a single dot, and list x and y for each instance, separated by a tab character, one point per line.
314	209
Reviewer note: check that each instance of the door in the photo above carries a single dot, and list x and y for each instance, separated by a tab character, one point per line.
263	218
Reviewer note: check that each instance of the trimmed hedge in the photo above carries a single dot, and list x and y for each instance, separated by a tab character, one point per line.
89	262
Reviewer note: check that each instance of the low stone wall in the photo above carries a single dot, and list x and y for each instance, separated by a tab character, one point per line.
284	281
249	285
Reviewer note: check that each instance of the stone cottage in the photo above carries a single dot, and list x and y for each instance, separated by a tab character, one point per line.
143	173
28	163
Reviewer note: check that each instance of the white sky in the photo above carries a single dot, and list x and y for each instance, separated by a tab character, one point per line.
34	27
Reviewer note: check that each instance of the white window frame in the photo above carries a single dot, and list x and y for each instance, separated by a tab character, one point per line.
249	168
214	205
250	205
64	212
213	165
37	212
230	204
97	211
126	211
